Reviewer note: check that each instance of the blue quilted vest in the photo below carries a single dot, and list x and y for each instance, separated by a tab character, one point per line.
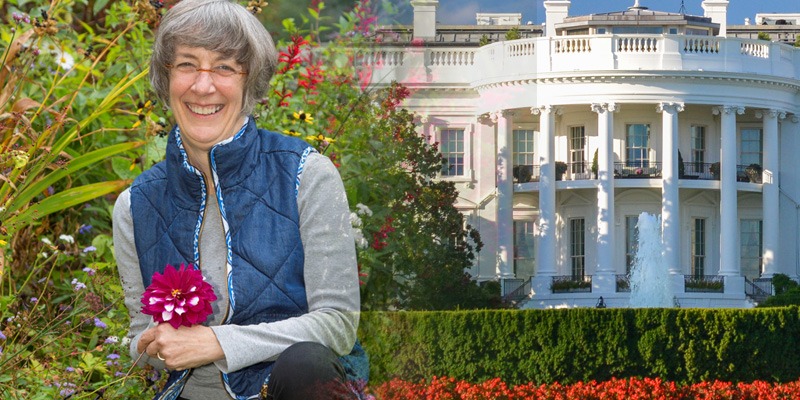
258	177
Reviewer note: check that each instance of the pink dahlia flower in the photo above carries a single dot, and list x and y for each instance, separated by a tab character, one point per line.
180	297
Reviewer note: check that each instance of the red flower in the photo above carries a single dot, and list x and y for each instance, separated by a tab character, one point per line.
180	297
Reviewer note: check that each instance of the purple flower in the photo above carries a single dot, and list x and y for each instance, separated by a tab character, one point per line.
2	337
70	369
113	356
77	285
89	271
18	17
50	190
118	374
34	300
100	324
111	340
89	249
84	229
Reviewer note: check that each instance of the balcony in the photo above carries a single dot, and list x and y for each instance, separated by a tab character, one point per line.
641	170
580	56
571	284
704	283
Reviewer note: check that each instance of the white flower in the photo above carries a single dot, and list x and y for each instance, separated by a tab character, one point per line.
355	220
65	60
67	238
78	285
47	241
363	210
358	236
126	341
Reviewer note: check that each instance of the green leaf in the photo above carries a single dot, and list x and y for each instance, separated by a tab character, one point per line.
99	5
27	194
122	167
63	200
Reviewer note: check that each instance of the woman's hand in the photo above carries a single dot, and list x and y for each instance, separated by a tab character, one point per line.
182	348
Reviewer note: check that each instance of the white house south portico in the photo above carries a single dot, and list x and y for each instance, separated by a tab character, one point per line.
564	136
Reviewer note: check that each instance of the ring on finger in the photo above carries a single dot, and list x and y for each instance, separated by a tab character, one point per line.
158	354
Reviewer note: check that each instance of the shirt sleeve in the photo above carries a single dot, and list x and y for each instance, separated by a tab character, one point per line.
331	279
130	275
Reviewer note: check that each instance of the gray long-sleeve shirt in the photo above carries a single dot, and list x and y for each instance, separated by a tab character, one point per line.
330	273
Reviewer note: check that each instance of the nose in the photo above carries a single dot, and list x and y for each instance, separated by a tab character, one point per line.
204	83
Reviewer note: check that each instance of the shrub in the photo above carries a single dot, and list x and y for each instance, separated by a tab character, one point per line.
567	346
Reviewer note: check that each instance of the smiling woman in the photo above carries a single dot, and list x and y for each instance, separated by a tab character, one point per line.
261	215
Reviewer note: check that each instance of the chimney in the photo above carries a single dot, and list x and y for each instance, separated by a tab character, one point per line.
555	13
425	18
717	10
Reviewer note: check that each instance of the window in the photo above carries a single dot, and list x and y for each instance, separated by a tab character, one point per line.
637	145
577	149
751	250
697	32
631	241
601	31
523	155
698	146
699	247
524	254
673	31
452	147
577	228
627	30
750	146
523	147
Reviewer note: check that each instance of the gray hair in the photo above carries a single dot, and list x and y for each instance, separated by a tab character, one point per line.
221	26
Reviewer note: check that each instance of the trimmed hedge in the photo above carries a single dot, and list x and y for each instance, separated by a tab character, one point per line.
571	345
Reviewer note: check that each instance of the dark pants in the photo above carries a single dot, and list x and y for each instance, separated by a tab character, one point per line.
308	371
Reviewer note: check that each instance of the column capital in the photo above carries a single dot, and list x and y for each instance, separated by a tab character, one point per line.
670	107
486	118
424	118
547	109
795	118
605	107
771	113
719	110
495	115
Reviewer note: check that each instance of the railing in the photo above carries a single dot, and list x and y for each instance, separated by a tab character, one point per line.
637	170
698	170
385	58
704	283
697	45
579	171
758	289
572	45
515	49
526	173
623	283
755	49
446	58
636	44
521	289
571	284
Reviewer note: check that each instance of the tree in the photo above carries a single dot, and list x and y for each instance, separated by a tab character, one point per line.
413	246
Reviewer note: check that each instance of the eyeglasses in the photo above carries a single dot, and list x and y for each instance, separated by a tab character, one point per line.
186	69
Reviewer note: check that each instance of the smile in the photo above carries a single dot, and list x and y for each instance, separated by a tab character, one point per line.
207	110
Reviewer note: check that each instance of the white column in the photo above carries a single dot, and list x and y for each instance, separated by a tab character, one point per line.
546	252
670	199
425	18
605	187
770	191
505	196
555	13
729	221
717	10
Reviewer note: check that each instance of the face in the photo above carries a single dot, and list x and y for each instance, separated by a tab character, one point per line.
206	105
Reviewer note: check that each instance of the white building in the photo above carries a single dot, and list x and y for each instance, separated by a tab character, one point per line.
520	122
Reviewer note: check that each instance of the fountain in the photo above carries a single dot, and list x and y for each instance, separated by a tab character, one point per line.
649	278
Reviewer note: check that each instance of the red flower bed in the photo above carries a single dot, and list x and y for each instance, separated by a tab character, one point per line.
444	388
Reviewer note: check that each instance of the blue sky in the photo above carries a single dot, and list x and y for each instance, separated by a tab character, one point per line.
463	11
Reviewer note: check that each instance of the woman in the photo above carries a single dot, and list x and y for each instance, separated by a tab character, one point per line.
262	215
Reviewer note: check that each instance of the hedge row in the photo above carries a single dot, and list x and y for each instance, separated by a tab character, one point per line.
545	346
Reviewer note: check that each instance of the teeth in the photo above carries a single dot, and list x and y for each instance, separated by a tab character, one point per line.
204	110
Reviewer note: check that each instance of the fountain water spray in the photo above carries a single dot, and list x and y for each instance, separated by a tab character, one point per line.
649	278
